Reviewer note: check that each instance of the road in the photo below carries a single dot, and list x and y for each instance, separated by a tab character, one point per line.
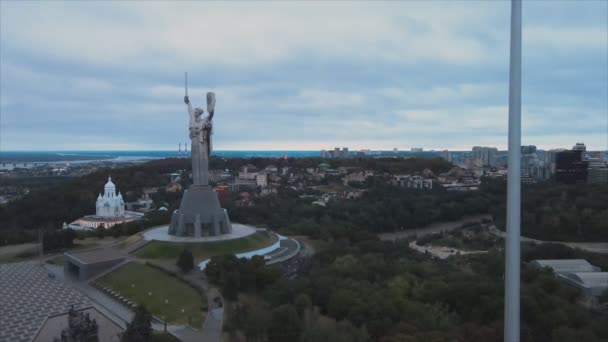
433	228
594	247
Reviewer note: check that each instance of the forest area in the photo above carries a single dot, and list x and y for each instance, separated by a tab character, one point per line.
357	288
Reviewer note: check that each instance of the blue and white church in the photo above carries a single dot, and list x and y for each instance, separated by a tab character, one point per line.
110	204
109	211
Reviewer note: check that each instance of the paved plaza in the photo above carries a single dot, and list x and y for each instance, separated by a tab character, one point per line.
162	234
28	296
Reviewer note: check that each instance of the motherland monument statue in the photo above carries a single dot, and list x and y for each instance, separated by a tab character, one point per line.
200	213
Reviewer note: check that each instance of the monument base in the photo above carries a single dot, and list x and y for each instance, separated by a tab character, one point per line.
200	214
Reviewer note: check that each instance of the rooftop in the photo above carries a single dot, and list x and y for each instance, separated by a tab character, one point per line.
590	279
96	255
566	265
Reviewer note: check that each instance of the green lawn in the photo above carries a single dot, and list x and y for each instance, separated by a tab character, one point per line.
202	251
162	286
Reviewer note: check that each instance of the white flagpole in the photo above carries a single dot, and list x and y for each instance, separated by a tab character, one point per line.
512	255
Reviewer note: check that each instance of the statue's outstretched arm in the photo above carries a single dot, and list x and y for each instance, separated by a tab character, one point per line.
190	110
187	102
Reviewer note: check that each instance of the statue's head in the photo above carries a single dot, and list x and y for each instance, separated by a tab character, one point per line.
198	112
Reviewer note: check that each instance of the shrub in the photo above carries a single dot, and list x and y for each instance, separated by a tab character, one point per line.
185	261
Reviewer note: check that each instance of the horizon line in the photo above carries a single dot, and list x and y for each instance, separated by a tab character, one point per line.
280	150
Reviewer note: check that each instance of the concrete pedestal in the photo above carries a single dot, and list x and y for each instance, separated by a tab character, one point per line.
200	214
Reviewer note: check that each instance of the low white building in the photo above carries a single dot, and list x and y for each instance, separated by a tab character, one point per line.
219	175
592	284
271	168
578	273
324	199
562	266
248	172
357	177
261	179
414	182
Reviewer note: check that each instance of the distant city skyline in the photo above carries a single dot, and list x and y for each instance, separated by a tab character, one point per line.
299	76
399	149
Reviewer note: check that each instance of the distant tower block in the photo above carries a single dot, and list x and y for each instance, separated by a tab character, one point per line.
179	150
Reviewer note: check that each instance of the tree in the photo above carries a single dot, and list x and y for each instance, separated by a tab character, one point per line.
231	285
284	324
116	230
253	320
100	231
68	237
140	328
603	298
318	328
302	303
185	261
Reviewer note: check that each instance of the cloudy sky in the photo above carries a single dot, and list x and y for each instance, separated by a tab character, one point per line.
306	76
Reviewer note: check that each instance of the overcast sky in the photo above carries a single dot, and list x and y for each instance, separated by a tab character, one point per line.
307	76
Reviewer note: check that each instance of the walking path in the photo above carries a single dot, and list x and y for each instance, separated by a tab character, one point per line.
212	328
442	252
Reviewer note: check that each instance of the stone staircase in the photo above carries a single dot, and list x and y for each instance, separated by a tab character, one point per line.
131	249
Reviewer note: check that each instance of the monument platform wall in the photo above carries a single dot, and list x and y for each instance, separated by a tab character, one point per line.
200	214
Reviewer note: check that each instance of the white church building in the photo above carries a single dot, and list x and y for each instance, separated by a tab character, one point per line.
109	211
111	203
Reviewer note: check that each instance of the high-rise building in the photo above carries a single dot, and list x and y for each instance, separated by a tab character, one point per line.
597	171
336	153
570	167
446	155
580	147
598	175
550	158
344	152
530	149
471	163
476	151
486	155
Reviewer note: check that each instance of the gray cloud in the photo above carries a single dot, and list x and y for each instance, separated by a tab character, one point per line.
299	76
